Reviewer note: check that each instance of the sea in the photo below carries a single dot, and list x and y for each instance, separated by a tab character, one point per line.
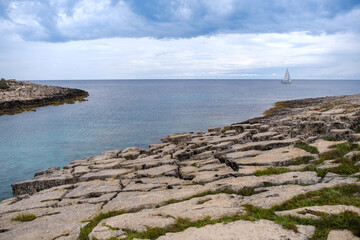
124	113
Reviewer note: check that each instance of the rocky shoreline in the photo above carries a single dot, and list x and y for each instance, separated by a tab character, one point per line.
292	174
19	96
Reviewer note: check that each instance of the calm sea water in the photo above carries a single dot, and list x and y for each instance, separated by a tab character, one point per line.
124	113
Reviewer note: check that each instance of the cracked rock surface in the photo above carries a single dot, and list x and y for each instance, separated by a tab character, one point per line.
195	176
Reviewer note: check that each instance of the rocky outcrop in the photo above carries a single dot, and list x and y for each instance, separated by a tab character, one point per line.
211	180
21	96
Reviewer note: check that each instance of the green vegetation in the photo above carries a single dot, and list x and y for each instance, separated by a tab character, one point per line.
24	217
227	128
345	195
346	167
327	138
306	147
194	165
3	84
86	230
301	160
271	171
278	105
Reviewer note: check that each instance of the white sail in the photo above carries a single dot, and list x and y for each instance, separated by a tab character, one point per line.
287	78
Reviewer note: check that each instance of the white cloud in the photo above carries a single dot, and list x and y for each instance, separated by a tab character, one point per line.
222	56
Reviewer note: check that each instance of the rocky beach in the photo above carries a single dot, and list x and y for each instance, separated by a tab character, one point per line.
20	96
291	174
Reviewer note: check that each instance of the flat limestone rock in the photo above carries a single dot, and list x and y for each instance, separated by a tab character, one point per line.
164	170
250	170
213	206
274	157
280	194
133	200
341	235
264	145
239	183
306	212
323	145
97	187
42	182
210	176
44	198
243	154
135	221
102	175
242	230
263	136
66	223
104	232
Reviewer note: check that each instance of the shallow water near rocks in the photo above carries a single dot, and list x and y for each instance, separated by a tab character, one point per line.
123	113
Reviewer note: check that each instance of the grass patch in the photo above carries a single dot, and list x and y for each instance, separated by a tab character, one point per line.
327	138
271	171
86	230
339	151
278	105
227	128
194	165
301	160
27	217
345	195
306	147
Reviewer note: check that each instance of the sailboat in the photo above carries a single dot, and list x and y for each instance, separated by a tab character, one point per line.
286	79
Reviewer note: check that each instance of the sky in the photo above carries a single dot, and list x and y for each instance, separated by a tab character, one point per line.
179	39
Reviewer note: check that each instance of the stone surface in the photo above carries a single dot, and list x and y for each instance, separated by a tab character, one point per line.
242	230
274	157
308	212
323	145
190	175
25	94
341	235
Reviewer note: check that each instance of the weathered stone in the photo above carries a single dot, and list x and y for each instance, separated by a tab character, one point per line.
42	182
275	157
279	194
47	171
352	154
263	136
133	200
94	188
214	129
264	145
102	175
341	235
308	212
239	183
340	134
210	176
323	145
328	164
68	222
135	221
177	138
164	170
242	230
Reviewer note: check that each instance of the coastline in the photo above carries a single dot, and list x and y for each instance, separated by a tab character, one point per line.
18	96
188	164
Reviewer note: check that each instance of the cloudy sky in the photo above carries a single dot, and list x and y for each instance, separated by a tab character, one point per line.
146	39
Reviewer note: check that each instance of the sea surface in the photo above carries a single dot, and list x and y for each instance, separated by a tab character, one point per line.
124	113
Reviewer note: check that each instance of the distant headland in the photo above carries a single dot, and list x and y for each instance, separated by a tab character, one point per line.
20	96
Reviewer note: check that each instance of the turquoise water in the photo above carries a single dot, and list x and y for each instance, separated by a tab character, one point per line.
124	113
